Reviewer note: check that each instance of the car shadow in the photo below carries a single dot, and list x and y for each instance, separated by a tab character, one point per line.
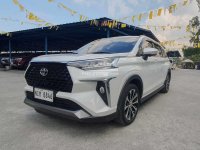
52	122
71	127
149	101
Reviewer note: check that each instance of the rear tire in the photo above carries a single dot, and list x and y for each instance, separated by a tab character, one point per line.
166	85
128	105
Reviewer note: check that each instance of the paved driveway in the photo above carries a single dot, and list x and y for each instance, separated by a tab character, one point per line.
167	121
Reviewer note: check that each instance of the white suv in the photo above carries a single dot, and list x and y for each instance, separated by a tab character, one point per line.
106	79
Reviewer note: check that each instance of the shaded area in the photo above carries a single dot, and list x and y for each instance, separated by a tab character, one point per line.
67	37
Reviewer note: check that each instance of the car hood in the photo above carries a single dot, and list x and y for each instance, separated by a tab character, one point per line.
74	57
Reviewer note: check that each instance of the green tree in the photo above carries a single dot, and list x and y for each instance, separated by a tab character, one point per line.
198	3
194	25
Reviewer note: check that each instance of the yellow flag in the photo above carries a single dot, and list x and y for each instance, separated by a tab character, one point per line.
50	1
81	17
172	8
123	25
110	24
18	4
151	15
133	19
198	45
91	22
185	2
31	16
115	23
15	2
160	11
140	17
188	28
66	8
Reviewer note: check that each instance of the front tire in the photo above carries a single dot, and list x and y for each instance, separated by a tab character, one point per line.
128	105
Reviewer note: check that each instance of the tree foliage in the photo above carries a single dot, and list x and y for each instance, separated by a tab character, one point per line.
192	53
198	3
194	24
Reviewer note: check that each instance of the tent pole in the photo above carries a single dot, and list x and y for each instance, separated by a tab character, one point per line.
10	51
46	45
108	33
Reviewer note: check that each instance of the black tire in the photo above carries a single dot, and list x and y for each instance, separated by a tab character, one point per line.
127	106
166	85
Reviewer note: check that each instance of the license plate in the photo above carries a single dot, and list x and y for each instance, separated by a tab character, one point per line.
45	95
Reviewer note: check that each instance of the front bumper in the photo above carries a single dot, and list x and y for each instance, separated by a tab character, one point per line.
84	93
79	115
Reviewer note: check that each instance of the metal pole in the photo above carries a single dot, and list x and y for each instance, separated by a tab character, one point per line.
108	33
46	45
10	51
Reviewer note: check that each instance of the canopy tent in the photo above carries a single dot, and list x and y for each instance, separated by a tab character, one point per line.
66	37
187	61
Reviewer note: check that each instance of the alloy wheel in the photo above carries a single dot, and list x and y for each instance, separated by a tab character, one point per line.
131	105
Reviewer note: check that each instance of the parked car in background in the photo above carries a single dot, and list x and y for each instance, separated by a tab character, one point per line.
197	65
188	64
107	79
23	61
5	61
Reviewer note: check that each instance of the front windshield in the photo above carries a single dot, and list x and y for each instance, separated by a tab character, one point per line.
109	46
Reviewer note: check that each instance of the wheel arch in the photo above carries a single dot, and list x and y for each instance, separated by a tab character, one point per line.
135	79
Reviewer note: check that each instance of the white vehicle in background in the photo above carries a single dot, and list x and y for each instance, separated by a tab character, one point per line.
107	79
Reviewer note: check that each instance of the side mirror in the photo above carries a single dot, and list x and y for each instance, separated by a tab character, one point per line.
148	52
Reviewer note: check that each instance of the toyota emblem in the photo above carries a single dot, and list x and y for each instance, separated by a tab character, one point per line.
43	72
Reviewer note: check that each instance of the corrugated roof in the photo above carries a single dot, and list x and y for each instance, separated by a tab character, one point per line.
69	36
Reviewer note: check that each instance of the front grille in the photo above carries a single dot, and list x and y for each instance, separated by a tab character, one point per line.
57	79
58	102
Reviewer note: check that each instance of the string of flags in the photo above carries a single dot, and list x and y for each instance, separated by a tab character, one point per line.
31	16
156	12
174	41
116	23
84	18
109	23
71	11
161	27
21	22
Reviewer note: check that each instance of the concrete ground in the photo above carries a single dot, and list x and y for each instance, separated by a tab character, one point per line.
167	121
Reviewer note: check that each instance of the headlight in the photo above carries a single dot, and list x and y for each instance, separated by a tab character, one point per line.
106	63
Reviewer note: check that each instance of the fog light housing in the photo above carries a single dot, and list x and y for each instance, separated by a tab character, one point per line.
101	90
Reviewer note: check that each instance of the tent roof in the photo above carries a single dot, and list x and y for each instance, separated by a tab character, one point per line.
187	61
67	37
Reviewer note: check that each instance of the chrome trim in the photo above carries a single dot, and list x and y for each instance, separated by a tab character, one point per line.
107	86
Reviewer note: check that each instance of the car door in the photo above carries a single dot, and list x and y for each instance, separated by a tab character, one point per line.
149	69
162	63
